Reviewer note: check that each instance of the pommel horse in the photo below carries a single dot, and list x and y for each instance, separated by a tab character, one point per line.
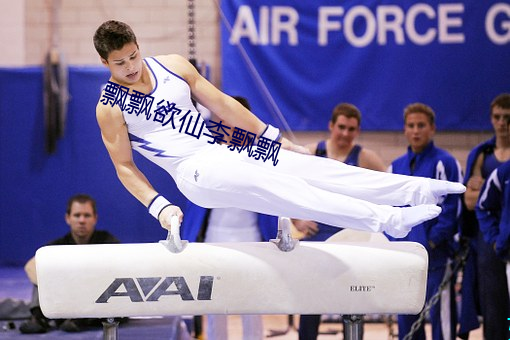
173	277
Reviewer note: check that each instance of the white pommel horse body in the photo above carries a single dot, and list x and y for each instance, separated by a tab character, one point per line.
153	279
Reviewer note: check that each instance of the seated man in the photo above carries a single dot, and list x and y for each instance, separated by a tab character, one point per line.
81	216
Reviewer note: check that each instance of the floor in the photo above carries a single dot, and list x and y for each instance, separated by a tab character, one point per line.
15	285
276	327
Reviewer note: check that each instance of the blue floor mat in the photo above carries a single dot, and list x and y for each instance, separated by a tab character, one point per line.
134	329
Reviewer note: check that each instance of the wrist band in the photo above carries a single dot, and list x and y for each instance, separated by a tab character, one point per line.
157	205
271	133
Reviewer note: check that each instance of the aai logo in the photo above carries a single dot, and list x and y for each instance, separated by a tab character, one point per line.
152	288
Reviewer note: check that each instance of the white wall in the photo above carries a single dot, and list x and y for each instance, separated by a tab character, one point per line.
12	32
160	25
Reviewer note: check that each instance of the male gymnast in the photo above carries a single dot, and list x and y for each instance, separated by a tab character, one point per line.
211	175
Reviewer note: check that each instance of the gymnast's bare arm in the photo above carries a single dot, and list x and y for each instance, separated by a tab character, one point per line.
115	138
231	112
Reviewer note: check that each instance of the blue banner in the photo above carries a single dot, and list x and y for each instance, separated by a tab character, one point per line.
297	59
35	185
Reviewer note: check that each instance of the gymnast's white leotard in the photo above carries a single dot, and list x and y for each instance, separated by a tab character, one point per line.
156	135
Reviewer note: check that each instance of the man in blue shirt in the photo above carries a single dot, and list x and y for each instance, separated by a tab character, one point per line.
493	214
484	277
424	159
493	211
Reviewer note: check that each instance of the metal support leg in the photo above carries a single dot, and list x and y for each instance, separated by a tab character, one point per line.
110	329
353	327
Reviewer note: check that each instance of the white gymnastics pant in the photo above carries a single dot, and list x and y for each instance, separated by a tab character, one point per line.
300	186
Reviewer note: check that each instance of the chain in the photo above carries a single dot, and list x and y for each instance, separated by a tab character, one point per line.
459	265
191	30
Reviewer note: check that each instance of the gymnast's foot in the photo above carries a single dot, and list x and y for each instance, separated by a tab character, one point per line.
442	188
412	216
437	190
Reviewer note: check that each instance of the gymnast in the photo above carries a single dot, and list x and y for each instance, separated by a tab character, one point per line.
147	106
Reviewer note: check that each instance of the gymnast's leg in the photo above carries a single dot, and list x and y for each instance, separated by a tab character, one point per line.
215	182
374	186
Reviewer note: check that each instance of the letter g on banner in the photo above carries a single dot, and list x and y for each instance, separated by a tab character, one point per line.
498	35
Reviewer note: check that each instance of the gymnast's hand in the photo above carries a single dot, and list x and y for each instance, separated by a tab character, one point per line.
166	215
308	228
288	145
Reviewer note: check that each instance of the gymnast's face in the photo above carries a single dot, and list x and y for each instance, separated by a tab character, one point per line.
125	64
82	221
419	131
344	131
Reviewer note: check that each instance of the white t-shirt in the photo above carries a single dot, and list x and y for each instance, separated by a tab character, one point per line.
232	225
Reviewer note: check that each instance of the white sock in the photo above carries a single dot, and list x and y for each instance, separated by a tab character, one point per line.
434	191
412	216
442	188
